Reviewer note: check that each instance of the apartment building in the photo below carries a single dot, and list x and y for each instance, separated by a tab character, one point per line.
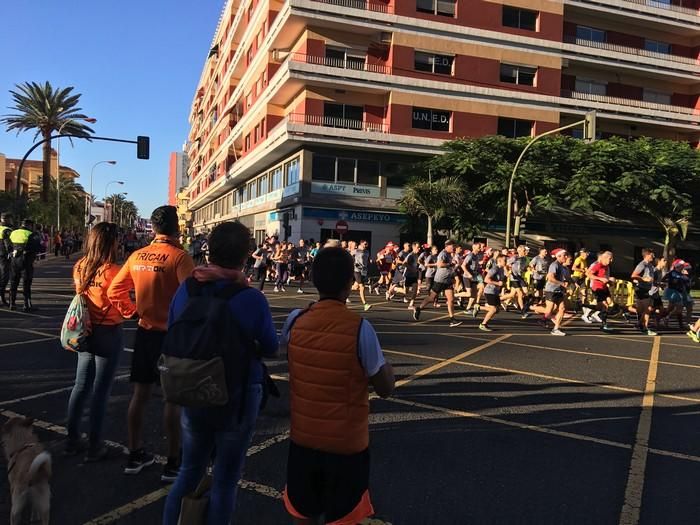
310	113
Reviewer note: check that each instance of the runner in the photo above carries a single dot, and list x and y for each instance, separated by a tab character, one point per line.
281	260
694	332
599	277
579	276
300	263
473	279
643	280
262	258
518	285
558	279
539	266
385	263
361	260
443	282
495	280
425	252
411	273
678	291
399	278
153	274
430	269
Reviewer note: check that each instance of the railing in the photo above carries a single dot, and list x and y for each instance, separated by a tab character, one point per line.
664	5
571	39
643	104
336	122
377	7
348	63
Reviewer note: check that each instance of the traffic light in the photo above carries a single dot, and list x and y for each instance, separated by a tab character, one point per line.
143	147
589	126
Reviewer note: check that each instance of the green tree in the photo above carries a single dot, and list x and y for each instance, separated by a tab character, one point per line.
45	109
122	208
433	199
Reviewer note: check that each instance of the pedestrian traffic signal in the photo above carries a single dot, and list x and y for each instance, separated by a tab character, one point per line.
143	147
589	126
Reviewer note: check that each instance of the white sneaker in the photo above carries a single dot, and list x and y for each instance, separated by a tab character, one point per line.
558	332
276	290
596	317
283	290
586	319
386	296
347	301
300	290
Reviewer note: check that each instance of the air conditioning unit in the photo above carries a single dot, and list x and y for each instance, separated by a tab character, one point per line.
385	37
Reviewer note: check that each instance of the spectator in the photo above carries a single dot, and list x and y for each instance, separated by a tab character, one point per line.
328	464
224	429
154	273
96	367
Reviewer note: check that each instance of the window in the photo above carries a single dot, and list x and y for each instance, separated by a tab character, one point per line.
249	56
292	171
657	47
657	97
249	100
437	7
512	128
345	58
342	116
431	119
247	142
346	170
522	75
432	63
323	168
520	18
395	173
263	185
588	33
252	190
591	87
256	133
259	39
368	172
276	178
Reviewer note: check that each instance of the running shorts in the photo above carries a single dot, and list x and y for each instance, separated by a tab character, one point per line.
492	299
539	284
410	280
361	278
441	287
144	361
298	269
398	277
517	283
554	297
601	295
333	485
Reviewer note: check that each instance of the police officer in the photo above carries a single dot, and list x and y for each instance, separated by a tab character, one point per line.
5	250
26	244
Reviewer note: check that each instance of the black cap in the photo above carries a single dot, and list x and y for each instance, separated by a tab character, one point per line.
6	217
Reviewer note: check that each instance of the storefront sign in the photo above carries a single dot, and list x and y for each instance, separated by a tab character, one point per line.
292	189
353	216
345	189
394	193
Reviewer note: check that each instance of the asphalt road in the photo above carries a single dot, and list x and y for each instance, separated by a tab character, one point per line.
511	427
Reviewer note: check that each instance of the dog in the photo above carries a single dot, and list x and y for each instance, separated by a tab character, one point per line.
28	470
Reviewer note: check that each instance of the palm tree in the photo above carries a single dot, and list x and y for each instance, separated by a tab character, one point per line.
121	208
72	203
45	109
435	199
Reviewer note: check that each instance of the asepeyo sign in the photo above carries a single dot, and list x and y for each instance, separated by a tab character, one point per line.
345	189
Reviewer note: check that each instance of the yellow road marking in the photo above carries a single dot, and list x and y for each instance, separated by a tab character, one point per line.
635	480
49	393
30	341
447	362
28	331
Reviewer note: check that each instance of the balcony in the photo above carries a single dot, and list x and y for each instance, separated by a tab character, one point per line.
641	104
571	39
653	14
350	63
663	5
335	122
366	5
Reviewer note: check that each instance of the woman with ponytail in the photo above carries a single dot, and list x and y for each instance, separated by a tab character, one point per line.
98	364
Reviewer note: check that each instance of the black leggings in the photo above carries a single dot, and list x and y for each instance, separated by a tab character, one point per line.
260	276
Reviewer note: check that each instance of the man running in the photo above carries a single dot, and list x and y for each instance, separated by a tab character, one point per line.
361	258
473	279
495	280
579	275
154	274
300	263
411	274
539	266
558	279
443	282
599	277
643	280
518	285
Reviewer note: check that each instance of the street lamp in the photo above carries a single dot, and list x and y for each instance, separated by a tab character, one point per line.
92	172
90	120
111	216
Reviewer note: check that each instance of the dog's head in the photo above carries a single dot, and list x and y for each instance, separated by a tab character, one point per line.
15	428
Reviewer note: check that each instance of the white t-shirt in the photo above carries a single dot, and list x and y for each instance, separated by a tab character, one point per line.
370	352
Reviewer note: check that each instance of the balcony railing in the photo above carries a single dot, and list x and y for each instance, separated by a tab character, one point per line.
336	122
643	104
369	5
348	63
664	5
571	39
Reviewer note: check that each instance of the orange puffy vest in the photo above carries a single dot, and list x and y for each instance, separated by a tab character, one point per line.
329	387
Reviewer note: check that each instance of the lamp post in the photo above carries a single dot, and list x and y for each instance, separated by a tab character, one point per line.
111	216
92	172
90	120
121	208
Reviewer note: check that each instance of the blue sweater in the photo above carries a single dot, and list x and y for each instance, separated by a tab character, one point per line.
252	312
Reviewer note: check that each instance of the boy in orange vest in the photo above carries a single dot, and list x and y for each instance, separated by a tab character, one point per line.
334	355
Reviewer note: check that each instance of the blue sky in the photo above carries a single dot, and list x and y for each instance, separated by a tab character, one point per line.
136	63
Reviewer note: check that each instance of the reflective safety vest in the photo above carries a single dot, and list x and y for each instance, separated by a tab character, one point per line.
2	231
329	388
20	237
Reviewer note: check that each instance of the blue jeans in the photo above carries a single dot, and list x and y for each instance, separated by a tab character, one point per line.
199	440
95	374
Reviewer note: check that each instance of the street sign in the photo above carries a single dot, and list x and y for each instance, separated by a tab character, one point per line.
341	227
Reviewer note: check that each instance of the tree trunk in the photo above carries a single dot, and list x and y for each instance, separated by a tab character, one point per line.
670	244
429	240
46	176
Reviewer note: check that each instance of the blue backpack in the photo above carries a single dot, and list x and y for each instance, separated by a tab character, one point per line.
205	361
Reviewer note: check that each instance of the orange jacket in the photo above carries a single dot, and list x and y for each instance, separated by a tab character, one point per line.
154	273
101	310
329	388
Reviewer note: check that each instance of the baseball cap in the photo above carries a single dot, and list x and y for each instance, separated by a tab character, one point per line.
679	262
557	251
426	245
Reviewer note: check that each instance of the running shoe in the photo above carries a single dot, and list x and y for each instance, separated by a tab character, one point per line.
138	460
386	296
596	317
586	319
454	322
606	328
474	312
300	290
694	336
484	328
283	289
170	471
651	332
525	315
347	301
276	290
416	314
405	300
558	332
367	306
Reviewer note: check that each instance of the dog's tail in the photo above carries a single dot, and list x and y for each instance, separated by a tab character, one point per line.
40	467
